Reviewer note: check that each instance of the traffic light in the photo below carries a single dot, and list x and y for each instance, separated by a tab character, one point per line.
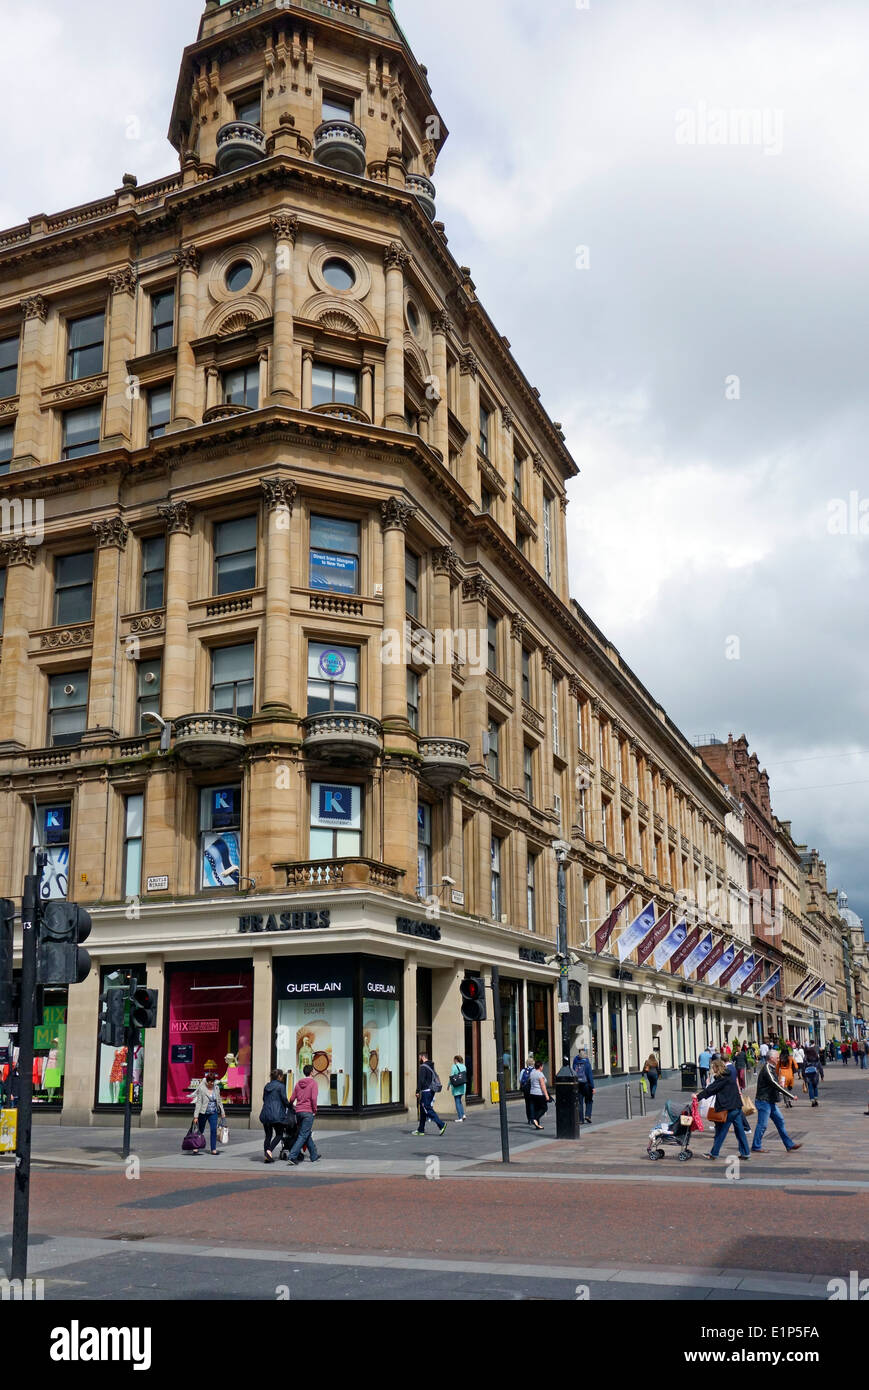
7	1002
60	960
473	992
143	1011
113	1004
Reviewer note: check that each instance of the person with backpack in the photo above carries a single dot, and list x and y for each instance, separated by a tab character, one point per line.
458	1086
812	1072
585	1076
427	1085
275	1113
525	1088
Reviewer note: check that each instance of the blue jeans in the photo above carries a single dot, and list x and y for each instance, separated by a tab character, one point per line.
304	1136
586	1100
765	1113
427	1110
734	1117
460	1109
811	1080
212	1124
862	1061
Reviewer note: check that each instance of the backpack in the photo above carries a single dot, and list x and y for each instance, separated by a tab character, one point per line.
525	1079
435	1081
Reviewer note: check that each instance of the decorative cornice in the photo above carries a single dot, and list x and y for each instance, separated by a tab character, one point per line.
476	588
34	307
537	461
394	256
575	687
187	257
112	531
279	492
60	638
469	363
285	226
396	514
123	281
444	560
17	550
178	517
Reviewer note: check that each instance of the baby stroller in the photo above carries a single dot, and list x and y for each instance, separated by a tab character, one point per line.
671	1128
288	1138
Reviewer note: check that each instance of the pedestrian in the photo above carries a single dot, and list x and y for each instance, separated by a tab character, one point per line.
786	1069
855	1050
703	1062
585	1077
304	1100
208	1107
766	1100
427	1084
739	1067
275	1113
764	1051
458	1086
864	1054
11	1089
539	1094
799	1059
812	1073
525	1088
652	1073
728	1102
845	1053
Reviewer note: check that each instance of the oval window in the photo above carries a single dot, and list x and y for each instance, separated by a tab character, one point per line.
238	275
413	319
338	274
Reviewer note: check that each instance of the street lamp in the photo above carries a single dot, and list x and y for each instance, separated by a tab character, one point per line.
164	725
562	955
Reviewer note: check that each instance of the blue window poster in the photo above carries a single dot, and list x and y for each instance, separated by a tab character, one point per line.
335	572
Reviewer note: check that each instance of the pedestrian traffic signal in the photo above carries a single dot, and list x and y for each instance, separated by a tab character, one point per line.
7	1001
473	992
60	960
143	1010
113	1014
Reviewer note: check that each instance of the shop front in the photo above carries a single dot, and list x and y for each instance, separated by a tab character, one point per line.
49	1050
208	1025
111	1071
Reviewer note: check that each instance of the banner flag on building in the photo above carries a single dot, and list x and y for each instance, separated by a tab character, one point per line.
712	959
698	955
746	984
769	984
684	950
672	941
605	931
732	969
724	962
821	987
806	987
636	932
742	974
655	936
803	985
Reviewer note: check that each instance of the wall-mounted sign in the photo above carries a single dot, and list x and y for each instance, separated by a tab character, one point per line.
195	1025
533	957
182	1052
428	931
458	897
159	884
284	921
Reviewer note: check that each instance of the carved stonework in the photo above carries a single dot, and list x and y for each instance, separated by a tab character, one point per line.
518	625
285	226
123	281
279	492
442	324
235	323
476	588
149	622
395	257
34	307
564	501
395	514
444	560
16	550
89	387
178	516
339	323
575	688
65	637
187	258
550	661
112	531
537	461
469	363
507	417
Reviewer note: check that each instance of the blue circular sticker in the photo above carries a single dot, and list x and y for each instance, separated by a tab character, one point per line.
333	664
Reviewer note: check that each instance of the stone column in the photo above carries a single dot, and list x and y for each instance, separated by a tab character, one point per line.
368	390
263	394
307	379
285	226
279	496
444	563
103	714
185	379
594	801
547	780
212	387
17	675
504	454
469	413
518	625
441	327
122	347
29	433
535	507
475	702
561	559
395	258
179	648
395	515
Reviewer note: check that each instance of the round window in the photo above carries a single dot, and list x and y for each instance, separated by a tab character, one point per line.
339	274
413	319
238	275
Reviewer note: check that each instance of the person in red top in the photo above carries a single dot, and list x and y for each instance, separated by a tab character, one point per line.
304	1098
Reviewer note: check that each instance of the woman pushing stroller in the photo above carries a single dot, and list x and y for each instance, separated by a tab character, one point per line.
724	1088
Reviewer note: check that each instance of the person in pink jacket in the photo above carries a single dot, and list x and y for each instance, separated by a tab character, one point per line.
304	1098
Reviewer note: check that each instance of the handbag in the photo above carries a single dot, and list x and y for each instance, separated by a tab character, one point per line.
223	1134
717	1117
748	1106
193	1140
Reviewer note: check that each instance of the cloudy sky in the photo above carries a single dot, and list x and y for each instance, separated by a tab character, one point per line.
666	209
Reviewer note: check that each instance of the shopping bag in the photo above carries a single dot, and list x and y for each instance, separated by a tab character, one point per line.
748	1106
644	1085
223	1134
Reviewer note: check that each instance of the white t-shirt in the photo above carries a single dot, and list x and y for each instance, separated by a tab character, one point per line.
799	1055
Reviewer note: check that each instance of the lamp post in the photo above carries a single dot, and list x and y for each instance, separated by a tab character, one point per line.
566	1084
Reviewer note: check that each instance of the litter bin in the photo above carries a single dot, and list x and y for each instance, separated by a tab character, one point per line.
566	1104
690	1079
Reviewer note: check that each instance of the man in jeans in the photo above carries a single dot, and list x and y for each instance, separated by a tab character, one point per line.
768	1090
304	1098
425	1095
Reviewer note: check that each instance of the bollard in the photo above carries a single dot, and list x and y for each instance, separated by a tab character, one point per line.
629	1114
642	1100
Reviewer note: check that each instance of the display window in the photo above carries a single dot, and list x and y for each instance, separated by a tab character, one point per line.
342	1016
512	1060
49	1049
51	835
595	1009
220	836
112	1061
539	1024
617	1054
210	1028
